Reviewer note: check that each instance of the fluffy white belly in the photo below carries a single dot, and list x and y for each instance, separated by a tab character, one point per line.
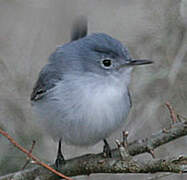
83	116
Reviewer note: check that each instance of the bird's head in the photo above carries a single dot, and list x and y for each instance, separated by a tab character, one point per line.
99	53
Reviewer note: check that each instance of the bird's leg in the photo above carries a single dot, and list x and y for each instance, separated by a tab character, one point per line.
60	158
106	149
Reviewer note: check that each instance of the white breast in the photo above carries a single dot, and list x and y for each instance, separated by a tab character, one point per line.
83	110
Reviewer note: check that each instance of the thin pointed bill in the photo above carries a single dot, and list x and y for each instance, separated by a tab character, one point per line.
136	62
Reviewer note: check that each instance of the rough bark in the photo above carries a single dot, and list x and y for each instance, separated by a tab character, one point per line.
96	163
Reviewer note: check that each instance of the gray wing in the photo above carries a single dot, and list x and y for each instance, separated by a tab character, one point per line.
52	72
48	77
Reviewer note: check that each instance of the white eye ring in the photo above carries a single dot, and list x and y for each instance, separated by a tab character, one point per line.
106	63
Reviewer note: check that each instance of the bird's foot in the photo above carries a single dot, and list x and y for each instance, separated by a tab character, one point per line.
107	150
60	158
123	147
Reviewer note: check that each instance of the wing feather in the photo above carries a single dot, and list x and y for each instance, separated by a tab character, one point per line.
48	78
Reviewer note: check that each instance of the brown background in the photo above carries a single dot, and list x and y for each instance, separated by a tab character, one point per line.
30	30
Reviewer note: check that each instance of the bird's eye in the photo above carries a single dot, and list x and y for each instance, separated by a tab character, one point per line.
106	63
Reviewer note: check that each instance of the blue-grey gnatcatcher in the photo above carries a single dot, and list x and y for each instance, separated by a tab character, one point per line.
82	93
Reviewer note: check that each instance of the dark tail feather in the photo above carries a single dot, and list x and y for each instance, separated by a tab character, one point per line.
79	29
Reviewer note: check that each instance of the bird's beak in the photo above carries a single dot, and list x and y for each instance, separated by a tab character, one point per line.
135	62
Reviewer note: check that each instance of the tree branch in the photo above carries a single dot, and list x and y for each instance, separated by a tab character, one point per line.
28	153
96	163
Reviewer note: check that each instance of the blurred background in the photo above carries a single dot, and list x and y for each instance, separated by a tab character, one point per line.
153	29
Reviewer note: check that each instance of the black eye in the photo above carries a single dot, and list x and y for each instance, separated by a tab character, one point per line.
107	62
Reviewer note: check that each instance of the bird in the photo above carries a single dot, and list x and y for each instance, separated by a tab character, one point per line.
82	94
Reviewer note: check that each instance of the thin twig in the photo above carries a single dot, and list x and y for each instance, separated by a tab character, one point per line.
36	160
172	112
30	151
125	141
90	164
95	163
